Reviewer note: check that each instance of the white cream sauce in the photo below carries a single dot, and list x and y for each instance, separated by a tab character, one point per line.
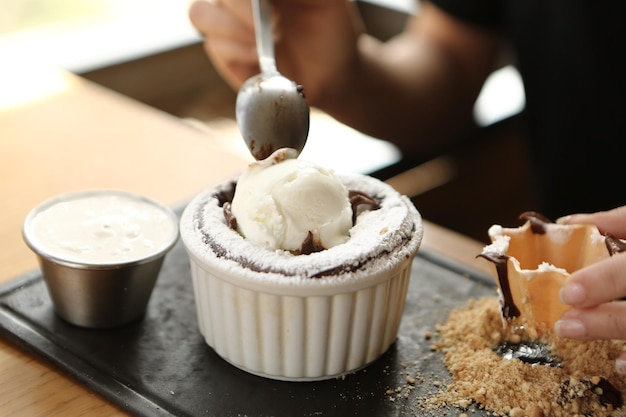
102	229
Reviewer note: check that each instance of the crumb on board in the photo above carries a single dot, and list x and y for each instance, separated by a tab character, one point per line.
585	384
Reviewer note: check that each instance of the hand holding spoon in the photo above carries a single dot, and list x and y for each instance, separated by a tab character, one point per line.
271	110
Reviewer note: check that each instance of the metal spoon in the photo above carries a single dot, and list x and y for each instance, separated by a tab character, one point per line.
271	110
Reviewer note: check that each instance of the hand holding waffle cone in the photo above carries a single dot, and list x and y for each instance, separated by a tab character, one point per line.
595	292
568	277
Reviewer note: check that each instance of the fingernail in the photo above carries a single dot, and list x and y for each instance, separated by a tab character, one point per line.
620	366
572	294
571	329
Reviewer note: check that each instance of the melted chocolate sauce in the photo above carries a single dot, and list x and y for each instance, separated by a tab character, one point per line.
537	221
224	197
607	394
231	220
610	395
533	352
614	245
508	307
225	193
310	245
359	201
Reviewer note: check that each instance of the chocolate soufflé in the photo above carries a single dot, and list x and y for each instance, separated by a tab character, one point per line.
318	314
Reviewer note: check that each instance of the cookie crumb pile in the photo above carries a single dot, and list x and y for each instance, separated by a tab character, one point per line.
583	383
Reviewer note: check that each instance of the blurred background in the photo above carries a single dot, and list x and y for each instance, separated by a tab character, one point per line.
148	50
27	14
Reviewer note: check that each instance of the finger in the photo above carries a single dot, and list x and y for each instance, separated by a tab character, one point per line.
242	9
229	42
216	20
236	62
606	321
595	284
612	221
199	13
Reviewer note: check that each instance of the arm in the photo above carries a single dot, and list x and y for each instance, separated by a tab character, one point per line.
412	90
418	89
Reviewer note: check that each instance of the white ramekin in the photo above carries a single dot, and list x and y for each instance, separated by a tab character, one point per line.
297	327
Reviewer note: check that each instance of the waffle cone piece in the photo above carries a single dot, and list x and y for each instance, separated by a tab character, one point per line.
530	263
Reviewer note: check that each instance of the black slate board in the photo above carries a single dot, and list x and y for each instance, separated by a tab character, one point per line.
160	365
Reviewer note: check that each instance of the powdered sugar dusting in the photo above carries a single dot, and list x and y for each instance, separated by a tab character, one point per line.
388	235
495	230
559	234
548	267
500	243
597	238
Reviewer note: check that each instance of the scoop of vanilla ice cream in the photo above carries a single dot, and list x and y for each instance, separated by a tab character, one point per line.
280	199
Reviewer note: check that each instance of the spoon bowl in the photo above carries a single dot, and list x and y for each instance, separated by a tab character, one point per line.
271	110
272	114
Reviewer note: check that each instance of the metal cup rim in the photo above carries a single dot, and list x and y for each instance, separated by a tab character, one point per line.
98	265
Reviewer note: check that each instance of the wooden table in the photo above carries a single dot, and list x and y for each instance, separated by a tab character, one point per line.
60	133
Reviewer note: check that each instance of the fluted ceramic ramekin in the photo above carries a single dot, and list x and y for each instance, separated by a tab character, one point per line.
302	317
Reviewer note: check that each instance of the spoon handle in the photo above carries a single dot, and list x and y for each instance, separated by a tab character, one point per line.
263	28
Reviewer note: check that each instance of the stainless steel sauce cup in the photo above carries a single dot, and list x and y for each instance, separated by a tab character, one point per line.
92	292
